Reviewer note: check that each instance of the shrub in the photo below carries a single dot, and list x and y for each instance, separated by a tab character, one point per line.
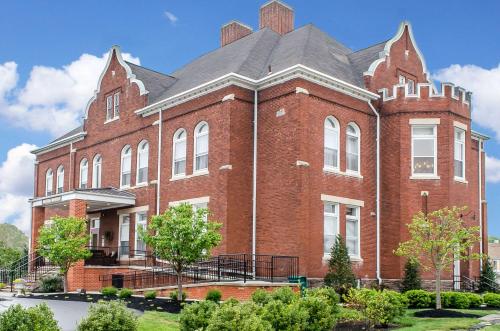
109	315
340	275
320	313
214	295
326	293
475	299
2	286
38	318
231	316
109	291
197	315
52	283
261	297
380	307
418	298
492	300
150	295
487	280
460	300
283	316
173	295
350	315
284	294
411	279
125	293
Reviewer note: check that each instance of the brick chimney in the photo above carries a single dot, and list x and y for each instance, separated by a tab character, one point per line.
277	16
233	31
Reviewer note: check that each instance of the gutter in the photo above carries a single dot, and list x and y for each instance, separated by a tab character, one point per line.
158	179
254	181
60	143
480	184
379	279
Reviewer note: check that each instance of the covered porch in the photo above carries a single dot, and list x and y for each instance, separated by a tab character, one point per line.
112	223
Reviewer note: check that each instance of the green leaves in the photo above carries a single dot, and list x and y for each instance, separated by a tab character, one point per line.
64	242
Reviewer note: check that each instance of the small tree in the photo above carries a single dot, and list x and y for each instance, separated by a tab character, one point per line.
487	281
437	240
411	280
64	243
8	255
340	275
182	236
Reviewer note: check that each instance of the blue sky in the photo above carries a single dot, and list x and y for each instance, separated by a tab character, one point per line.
43	44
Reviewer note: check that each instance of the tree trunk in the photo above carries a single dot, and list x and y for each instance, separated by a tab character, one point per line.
179	286
65	282
438	289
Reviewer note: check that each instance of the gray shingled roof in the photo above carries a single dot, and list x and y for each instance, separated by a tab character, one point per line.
253	55
107	191
68	134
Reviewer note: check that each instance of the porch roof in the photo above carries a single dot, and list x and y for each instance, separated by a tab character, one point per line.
96	199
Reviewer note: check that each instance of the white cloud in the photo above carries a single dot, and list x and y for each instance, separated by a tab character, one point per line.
53	99
492	169
16	186
171	17
484	85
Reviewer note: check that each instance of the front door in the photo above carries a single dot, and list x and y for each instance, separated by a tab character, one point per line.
94	232
124	234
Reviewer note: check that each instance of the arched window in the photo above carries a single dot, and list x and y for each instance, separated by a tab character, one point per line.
49	182
352	148
331	148
142	162
126	166
84	173
179	153
201	147
96	171
60	179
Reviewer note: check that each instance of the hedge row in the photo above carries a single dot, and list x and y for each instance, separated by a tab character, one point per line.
457	300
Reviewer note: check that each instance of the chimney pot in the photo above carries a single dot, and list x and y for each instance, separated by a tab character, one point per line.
277	16
233	31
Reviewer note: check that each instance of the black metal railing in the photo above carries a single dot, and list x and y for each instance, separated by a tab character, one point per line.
464	284
113	256
491	283
233	267
30	267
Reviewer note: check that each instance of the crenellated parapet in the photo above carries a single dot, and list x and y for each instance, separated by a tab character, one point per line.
426	97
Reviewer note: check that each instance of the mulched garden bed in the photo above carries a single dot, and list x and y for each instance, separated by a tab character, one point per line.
134	302
444	313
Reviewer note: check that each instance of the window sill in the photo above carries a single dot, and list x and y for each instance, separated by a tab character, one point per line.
343	173
196	174
461	180
327	257
112	120
429	177
141	184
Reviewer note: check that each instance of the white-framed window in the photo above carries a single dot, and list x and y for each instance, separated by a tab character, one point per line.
116	106
402	79
330	226
60	179
84	173
179	153
459	155
424	150
49	182
109	107
352	148
126	166
352	230
97	171
142	162
201	147
411	86
331	143
141	221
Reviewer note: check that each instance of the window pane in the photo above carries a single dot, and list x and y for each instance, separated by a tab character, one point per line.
423	165
142	175
328	242
125	179
459	170
202	144
352	246
330	208
117	104
423	130
180	149
126	163
352	228
331	139
202	162
179	167
423	147
352	162
331	157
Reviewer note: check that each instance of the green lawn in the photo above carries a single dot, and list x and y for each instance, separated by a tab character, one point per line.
410	322
157	321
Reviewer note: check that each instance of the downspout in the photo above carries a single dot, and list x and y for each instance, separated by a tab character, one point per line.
158	179
480	149
254	181
379	279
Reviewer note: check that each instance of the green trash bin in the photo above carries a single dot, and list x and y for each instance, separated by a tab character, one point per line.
302	280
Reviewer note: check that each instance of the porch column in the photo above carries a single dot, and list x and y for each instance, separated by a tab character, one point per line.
76	275
38	219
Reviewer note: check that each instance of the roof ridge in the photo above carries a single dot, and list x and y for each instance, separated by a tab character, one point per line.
367	47
149	69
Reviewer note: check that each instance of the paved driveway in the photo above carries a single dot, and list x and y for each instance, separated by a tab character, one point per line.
67	313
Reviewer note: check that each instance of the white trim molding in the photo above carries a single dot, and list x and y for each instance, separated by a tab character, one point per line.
60	143
193	201
460	125
133	210
342	200
228	97
424	121
301	90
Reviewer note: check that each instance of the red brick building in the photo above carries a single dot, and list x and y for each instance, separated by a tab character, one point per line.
288	136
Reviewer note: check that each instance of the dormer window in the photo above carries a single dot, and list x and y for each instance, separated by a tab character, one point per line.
408	81
112	106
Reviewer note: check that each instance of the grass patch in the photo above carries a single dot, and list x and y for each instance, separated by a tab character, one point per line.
410	322
152	320
492	328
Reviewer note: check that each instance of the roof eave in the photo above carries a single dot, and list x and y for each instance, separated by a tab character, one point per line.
60	143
